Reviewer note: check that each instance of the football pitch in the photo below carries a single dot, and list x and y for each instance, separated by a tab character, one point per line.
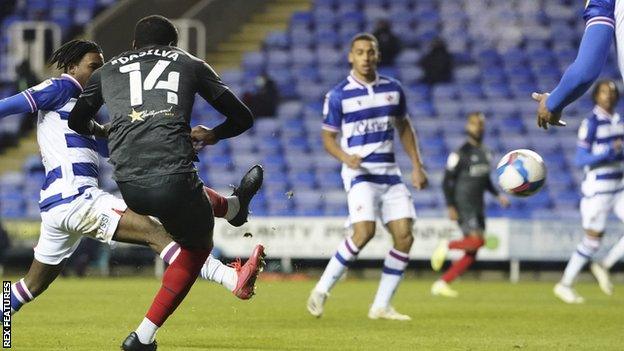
97	314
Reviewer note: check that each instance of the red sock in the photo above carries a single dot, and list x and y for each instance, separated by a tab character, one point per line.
176	283
218	201
459	267
470	243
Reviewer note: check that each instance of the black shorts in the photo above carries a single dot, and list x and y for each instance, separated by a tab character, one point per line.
471	221
178	201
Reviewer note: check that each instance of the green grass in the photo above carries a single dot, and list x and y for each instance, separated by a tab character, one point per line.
97	314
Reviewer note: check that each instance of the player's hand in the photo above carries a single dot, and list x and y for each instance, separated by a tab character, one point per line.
353	161
618	146
544	116
503	201
452	213
419	178
202	136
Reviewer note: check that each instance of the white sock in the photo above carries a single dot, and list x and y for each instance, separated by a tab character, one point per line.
614	255
214	270
233	207
170	252
146	331
338	264
584	252
394	266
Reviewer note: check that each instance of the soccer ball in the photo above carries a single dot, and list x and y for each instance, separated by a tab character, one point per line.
521	172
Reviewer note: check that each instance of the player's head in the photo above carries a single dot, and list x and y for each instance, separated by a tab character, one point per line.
606	94
475	125
154	30
78	58
364	54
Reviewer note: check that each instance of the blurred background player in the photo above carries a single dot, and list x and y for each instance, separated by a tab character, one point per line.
149	92
466	179
600	153
71	204
366	108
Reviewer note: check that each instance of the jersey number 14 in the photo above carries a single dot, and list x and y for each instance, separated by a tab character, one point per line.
137	86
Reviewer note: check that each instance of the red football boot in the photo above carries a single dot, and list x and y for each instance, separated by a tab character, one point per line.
248	273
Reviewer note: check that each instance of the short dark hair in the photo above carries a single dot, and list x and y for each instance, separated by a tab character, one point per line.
601	83
72	52
155	30
364	36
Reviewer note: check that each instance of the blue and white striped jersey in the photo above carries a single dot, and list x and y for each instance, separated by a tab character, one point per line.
71	160
597	135
365	114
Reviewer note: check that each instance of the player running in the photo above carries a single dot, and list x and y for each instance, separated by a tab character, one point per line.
466	179
72	205
366	108
600	153
149	92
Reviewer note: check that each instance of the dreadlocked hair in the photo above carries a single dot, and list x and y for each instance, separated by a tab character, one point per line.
72	52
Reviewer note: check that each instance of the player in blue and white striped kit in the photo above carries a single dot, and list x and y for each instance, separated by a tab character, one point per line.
366	108
604	21
600	153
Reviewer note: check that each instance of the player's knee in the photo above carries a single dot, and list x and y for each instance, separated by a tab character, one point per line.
404	239
475	242
198	243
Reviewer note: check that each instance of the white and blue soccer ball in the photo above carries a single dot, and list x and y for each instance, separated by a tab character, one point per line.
521	172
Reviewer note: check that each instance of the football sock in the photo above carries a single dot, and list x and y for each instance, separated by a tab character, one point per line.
213	269
223	206
616	252
146	331
467	243
394	266
170	252
459	267
218	272
176	283
20	295
584	252
346	254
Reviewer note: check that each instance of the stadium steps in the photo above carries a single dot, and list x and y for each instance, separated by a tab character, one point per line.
275	16
13	159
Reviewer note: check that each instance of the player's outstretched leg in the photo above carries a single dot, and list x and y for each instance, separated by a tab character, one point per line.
394	266
583	253
470	244
248	187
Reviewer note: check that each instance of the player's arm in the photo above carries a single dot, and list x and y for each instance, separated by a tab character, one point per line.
408	138
585	69
453	164
15	104
502	199
584	156
82	117
239	117
407	135
332	122
332	147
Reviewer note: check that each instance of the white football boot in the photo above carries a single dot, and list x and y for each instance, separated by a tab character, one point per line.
602	276
387	313
316	301
567	294
441	288
439	255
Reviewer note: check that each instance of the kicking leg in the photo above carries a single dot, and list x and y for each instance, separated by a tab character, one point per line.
585	250
394	266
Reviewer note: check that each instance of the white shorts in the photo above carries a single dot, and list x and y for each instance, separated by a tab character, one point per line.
95	213
595	210
369	201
